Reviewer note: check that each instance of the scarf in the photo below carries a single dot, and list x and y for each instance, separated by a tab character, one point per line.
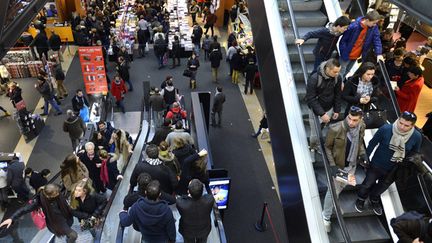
153	161
353	135
104	172
398	141
364	88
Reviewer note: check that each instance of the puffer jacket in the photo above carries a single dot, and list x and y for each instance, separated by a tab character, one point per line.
74	126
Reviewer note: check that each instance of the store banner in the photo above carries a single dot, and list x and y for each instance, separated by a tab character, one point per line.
93	69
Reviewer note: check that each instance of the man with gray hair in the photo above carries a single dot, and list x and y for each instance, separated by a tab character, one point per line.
93	163
75	126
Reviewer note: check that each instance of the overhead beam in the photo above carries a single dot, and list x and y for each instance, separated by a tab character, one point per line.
418	8
4	5
20	24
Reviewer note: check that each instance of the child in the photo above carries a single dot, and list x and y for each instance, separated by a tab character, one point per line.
3	186
206	46
37	179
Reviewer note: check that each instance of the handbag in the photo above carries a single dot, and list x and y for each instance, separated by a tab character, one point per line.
38	218
20	105
187	73
375	118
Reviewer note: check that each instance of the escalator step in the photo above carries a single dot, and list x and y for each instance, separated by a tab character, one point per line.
361	229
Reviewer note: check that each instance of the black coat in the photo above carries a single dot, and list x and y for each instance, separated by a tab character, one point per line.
15	173
94	172
250	70
326	96
93	205
79	102
188	172
162	173
123	71
45	90
131	198
41	42
37	180
58	72
237	61
215	58
55	42
195	216
15	95
218	101
182	153
160	135
409	230
176	48
350	95
74	126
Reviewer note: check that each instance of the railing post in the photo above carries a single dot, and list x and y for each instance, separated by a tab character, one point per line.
261	225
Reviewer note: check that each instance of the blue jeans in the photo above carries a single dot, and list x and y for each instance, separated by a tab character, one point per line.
53	104
197	49
160	60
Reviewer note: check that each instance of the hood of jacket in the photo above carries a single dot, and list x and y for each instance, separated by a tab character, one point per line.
72	119
153	211
322	70
330	27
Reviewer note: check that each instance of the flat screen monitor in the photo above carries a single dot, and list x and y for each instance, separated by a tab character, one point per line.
220	189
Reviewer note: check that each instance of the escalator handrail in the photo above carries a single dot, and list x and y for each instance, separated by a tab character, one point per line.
317	127
386	78
360	7
115	189
425	190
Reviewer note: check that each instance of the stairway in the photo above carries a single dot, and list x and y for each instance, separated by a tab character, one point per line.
362	227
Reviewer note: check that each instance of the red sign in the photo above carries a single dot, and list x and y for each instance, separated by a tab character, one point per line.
93	69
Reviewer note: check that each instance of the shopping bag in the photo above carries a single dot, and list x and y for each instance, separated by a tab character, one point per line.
20	105
85	114
187	73
375	118
38	218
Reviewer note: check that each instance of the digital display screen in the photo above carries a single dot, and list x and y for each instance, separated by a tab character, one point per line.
220	189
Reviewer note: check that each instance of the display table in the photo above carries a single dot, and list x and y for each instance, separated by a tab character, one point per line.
179	26
65	32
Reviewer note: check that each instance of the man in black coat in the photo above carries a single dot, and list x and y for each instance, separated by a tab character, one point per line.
323	95
123	71
79	101
55	44
156	169
93	163
45	89
218	101
41	43
250	71
15	179
75	126
195	210
160	47
215	57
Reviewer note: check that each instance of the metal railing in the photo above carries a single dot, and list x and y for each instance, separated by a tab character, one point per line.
317	127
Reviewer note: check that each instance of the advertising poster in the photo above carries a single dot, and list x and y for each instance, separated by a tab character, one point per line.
93	69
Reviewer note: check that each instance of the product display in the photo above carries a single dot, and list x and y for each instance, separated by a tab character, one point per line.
179	24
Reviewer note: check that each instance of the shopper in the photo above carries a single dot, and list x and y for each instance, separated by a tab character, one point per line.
195	213
161	133
193	167
218	101
231	51
99	141
79	101
176	113
60	77
360	36
237	65
263	125
110	174
175	52
407	95
123	71
215	44
123	147
394	65
158	107
211	19
197	33
44	88
142	35
170	93
362	89
215	58
328	37
93	163
14	93
55	45
152	216
118	90
323	96
37	179
393	143
206	46
193	65
160	48
41	44
72	170
344	146
413	230
85	203
168	158
74	125
15	179
156	169
58	215
106	129
251	69
193	10
179	132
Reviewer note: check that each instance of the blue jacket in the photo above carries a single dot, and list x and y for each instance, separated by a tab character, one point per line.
350	37
154	219
383	154
326	41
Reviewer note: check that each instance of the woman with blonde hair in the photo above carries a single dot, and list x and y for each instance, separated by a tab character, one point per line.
181	150
109	173
72	170
168	158
123	148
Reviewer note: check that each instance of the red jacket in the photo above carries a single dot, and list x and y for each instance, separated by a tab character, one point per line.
170	114
118	89
407	95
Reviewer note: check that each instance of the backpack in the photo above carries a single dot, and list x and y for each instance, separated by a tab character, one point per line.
177	117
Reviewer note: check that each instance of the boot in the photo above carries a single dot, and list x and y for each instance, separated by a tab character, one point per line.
193	84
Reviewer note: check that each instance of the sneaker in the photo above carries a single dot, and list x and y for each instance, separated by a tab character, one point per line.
327	225
359	205
376	206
